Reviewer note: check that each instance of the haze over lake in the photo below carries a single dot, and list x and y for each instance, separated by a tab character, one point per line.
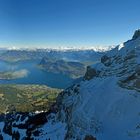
34	75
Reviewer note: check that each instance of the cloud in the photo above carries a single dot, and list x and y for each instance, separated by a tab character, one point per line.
20	73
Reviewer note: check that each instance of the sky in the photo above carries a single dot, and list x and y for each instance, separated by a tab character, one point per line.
69	23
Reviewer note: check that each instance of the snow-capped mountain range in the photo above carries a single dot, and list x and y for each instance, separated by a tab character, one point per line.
64	48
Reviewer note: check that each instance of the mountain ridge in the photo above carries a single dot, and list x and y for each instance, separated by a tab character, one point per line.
105	104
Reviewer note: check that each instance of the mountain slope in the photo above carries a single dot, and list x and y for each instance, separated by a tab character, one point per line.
106	104
72	69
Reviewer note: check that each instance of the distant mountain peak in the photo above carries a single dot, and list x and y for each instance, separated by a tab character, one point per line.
136	34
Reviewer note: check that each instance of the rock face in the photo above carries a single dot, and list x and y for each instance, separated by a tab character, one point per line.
91	72
136	34
106	60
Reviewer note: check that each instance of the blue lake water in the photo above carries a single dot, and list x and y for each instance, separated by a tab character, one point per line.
35	75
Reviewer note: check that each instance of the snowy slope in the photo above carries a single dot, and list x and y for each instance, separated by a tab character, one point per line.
106	104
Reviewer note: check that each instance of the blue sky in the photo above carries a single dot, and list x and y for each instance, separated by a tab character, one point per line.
53	23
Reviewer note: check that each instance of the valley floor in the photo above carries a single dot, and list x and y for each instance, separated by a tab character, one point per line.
26	98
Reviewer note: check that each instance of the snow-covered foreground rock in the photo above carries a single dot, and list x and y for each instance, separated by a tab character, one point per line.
29	126
103	106
102	109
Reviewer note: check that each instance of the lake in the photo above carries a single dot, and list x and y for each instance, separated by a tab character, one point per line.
35	75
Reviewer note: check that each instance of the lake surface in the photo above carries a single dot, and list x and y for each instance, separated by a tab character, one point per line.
35	75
